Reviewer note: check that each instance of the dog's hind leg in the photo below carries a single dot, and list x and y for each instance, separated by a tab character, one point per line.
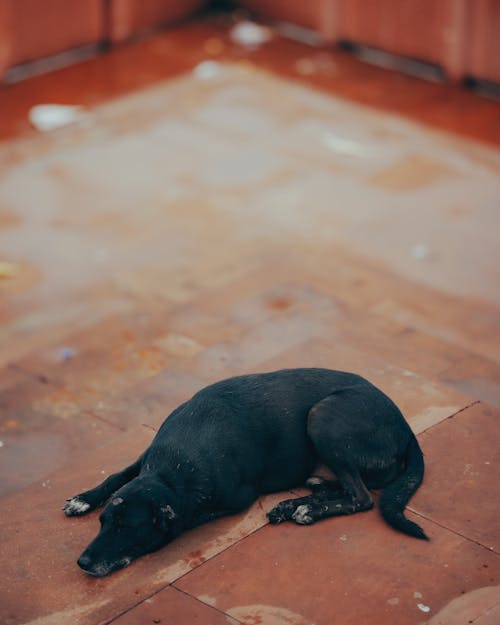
317	483
95	497
331	431
285	510
322	490
355	498
325	501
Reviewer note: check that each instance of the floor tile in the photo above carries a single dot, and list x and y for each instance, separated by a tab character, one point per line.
173	606
345	570
42	427
476	376
257	242
462	458
369	288
40	556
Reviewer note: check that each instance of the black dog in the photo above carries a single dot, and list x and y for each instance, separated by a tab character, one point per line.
256	434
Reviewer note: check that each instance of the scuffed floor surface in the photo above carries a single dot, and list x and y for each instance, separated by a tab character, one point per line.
231	221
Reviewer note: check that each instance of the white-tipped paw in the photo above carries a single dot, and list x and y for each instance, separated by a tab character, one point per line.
75	507
302	515
314	481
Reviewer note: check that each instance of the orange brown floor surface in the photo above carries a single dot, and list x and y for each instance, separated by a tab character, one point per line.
278	207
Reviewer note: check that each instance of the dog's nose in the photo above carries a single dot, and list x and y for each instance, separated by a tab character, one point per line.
84	562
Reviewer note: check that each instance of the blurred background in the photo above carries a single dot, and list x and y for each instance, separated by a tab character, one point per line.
191	190
458	37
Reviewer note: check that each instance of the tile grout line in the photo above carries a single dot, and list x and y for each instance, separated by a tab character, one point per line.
93	415
28	373
174	581
132	607
187	594
451	416
237	542
414	511
457	533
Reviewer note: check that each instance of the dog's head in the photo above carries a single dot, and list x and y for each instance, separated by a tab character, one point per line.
138	519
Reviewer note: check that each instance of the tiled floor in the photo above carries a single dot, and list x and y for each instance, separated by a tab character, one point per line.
191	229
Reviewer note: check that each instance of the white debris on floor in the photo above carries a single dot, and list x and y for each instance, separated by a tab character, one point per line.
47	117
250	35
348	147
420	251
207	70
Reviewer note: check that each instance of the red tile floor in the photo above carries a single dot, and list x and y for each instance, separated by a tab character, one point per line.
298	208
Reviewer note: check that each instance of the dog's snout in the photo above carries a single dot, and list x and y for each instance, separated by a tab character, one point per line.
84	562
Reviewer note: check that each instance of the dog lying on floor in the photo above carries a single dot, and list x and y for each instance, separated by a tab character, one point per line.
254	434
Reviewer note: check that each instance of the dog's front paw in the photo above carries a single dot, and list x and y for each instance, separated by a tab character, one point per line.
282	512
76	507
275	517
303	516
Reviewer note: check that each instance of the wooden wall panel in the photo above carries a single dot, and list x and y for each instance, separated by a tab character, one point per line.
422	29
483	41
128	17
30	29
319	15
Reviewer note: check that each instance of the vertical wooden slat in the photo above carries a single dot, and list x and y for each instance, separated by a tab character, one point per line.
5	36
483	43
31	29
128	17
454	41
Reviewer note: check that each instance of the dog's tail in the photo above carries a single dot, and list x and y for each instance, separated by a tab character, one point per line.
397	494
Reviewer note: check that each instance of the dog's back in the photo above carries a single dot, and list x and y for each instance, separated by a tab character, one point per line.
252	434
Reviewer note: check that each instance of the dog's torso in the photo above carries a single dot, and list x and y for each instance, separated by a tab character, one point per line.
253	434
243	437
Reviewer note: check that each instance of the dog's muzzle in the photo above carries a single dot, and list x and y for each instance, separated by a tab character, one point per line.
101	569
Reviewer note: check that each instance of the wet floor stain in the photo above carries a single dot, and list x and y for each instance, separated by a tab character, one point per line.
194	558
178	344
484	389
62	402
411	172
208	599
70	615
266	615
431	416
279	303
17	276
8	220
236	226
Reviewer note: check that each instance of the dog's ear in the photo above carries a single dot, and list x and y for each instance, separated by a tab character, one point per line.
167	518
168	512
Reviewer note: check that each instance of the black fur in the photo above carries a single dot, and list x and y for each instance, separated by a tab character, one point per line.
254	434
